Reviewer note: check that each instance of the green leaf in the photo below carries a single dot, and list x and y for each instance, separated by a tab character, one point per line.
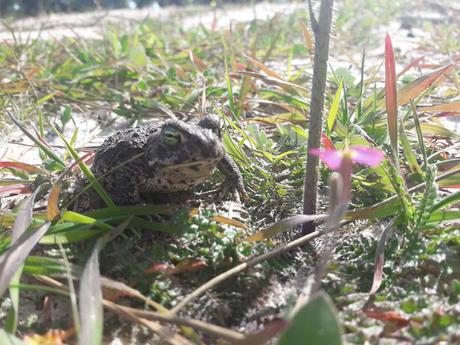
137	57
9	339
408	151
314	324
450	199
334	107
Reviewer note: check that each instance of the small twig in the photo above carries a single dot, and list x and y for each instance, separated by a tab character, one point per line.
241	267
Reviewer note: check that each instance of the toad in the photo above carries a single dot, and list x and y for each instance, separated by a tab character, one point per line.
160	158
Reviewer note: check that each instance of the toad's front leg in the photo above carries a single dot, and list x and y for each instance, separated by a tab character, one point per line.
233	178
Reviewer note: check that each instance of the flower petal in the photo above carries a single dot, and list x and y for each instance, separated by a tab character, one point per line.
332	158
366	155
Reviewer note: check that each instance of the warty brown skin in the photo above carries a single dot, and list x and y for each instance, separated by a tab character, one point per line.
162	157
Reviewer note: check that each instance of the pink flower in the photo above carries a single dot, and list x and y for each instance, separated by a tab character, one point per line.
342	161
358	154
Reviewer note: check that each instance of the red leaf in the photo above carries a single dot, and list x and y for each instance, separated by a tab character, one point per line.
22	166
157	267
391	101
190	265
327	143
387	316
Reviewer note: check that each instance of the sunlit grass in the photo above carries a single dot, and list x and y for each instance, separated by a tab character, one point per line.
157	70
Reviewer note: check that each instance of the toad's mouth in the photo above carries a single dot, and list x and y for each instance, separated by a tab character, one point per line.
193	164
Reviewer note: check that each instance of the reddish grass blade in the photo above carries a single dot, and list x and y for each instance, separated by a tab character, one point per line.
187	265
390	93
413	63
23	166
19	188
200	65
158	267
421	84
387	316
327	143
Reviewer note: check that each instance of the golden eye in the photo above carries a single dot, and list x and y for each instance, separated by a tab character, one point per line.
172	136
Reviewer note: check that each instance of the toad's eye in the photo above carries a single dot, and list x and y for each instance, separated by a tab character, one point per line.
172	136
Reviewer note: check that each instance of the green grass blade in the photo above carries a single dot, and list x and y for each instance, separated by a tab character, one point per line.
334	107
50	153
88	173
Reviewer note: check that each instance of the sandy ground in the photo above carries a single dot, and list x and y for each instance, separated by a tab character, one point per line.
91	25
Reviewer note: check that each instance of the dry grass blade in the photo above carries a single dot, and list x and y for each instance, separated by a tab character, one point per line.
284	225
17	253
453	107
52	210
285	85
307	37
165	333
263	68
21	224
221	332
379	258
228	221
24	217
91	311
